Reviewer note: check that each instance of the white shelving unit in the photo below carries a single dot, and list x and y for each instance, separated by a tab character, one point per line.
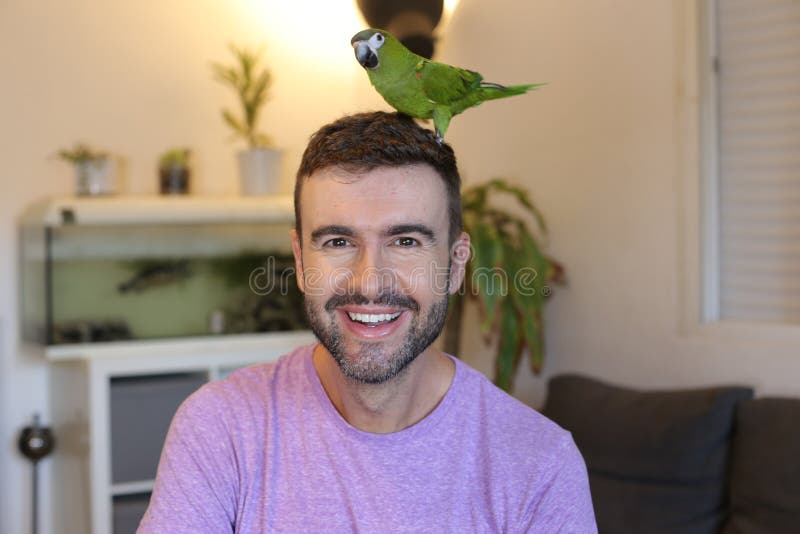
82	381
111	403
56	211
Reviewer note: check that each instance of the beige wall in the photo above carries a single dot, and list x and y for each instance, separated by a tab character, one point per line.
603	149
134	78
607	149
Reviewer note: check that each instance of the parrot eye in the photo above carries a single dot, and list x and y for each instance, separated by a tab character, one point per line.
378	39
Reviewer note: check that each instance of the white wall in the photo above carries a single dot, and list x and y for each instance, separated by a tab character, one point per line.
134	78
606	149
602	148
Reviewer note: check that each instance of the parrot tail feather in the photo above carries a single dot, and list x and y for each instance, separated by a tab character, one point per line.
490	91
495	85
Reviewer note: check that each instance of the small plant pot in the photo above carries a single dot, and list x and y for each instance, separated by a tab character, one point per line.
259	171
174	180
95	177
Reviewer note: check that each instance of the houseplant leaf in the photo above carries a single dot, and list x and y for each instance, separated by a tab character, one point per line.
233	122
533	338
508	350
531	284
250	81
487	257
522	197
502	239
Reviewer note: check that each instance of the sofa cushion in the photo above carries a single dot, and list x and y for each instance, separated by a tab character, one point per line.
657	460
765	474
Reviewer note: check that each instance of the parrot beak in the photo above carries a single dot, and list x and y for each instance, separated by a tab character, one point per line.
365	55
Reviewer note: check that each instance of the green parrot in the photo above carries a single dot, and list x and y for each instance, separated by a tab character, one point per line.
422	88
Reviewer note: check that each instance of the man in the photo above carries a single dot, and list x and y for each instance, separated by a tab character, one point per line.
373	429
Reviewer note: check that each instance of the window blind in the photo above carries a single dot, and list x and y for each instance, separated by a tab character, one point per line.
758	110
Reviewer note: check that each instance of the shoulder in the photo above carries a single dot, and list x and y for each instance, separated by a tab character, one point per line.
520	432
532	458
248	389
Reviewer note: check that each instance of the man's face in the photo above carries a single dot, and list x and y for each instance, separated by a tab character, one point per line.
375	265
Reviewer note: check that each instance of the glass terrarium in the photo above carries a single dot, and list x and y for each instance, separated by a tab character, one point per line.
114	269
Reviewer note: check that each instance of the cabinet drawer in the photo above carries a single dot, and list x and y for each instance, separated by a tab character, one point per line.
128	511
141	410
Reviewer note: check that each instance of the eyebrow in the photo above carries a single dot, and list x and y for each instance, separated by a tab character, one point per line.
412	229
331	229
398	229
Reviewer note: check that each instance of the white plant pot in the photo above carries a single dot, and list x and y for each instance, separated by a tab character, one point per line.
95	177
259	170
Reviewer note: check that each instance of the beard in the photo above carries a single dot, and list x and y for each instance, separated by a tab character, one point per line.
373	362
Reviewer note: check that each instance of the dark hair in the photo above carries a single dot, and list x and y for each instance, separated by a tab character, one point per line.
365	141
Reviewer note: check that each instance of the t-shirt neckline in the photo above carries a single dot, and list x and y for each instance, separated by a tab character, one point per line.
426	424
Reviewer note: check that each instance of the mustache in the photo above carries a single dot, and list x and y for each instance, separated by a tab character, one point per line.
384	299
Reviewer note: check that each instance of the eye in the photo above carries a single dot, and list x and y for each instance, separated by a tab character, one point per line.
378	38
405	242
336	242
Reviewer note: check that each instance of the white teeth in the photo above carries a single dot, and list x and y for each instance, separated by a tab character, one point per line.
373	317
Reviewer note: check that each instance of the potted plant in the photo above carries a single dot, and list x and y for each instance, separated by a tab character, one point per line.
94	170
173	171
259	165
508	274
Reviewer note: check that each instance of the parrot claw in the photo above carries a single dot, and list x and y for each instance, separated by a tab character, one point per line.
439	137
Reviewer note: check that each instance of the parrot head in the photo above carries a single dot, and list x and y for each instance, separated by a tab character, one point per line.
367	45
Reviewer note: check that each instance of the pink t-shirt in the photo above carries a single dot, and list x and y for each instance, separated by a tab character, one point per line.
264	450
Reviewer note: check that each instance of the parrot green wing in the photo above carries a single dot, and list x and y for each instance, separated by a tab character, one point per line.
444	84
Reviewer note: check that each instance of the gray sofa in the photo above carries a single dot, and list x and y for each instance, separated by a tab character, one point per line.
698	461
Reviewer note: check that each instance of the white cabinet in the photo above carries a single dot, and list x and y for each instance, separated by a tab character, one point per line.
135	302
111	406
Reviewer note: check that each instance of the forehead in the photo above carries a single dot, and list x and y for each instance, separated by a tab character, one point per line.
379	197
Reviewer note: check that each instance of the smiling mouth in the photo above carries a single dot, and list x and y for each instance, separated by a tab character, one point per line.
373	319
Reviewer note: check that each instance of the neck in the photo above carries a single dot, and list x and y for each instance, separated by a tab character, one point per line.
390	406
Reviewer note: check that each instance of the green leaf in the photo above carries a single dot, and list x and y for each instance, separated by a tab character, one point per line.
522	197
486	280
262	140
250	81
518	315
260	86
530	297
509	350
233	122
502	219
533	339
534	259
474	199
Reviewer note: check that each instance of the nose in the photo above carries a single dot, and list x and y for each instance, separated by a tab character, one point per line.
372	275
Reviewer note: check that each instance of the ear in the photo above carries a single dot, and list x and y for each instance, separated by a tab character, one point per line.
459	256
298	259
